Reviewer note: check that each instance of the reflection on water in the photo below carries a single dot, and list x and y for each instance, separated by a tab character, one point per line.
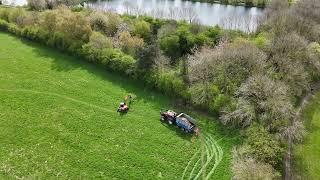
15	2
228	16
232	17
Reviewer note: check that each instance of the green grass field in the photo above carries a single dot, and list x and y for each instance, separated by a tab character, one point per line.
307	155
58	120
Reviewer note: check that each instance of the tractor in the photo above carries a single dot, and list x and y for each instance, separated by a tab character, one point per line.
183	121
168	116
124	105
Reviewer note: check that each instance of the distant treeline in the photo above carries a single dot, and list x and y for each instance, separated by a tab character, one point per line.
249	3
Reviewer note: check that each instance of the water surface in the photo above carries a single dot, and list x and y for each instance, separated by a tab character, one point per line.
228	16
209	14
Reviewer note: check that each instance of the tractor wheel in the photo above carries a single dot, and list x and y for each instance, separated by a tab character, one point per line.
162	118
170	122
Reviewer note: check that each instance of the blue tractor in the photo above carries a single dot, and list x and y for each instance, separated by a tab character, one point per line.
183	121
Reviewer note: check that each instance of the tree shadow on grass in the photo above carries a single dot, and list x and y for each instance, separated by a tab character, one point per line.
62	61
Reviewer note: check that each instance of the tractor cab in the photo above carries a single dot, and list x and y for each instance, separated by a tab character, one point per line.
168	116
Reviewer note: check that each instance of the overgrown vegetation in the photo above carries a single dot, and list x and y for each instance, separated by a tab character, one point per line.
252	81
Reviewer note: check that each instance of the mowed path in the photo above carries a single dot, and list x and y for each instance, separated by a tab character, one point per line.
307	154
58	120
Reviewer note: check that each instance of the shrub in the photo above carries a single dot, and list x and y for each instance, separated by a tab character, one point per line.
142	30
169	83
214	33
49	21
113	24
121	62
14	29
106	23
93	50
147	56
68	31
78	8
130	44
170	46
31	19
4	13
75	27
4	25
262	146
58	40
196	28
186	40
251	169
99	41
32	33
38	5
220	101
98	22
113	59
167	29
260	41
17	15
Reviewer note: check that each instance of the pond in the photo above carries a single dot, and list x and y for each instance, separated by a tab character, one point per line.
227	16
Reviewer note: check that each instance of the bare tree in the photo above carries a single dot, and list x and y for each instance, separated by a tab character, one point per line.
127	6
261	99
248	168
201	75
162	63
188	14
245	23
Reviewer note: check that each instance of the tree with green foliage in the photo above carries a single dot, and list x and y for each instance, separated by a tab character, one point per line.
261	145
142	30
147	56
171	47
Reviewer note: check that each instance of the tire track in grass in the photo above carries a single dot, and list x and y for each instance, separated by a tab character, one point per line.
61	96
218	158
207	152
213	153
195	165
211	147
189	163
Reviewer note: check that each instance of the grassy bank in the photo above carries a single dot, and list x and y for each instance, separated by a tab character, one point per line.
307	156
58	120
